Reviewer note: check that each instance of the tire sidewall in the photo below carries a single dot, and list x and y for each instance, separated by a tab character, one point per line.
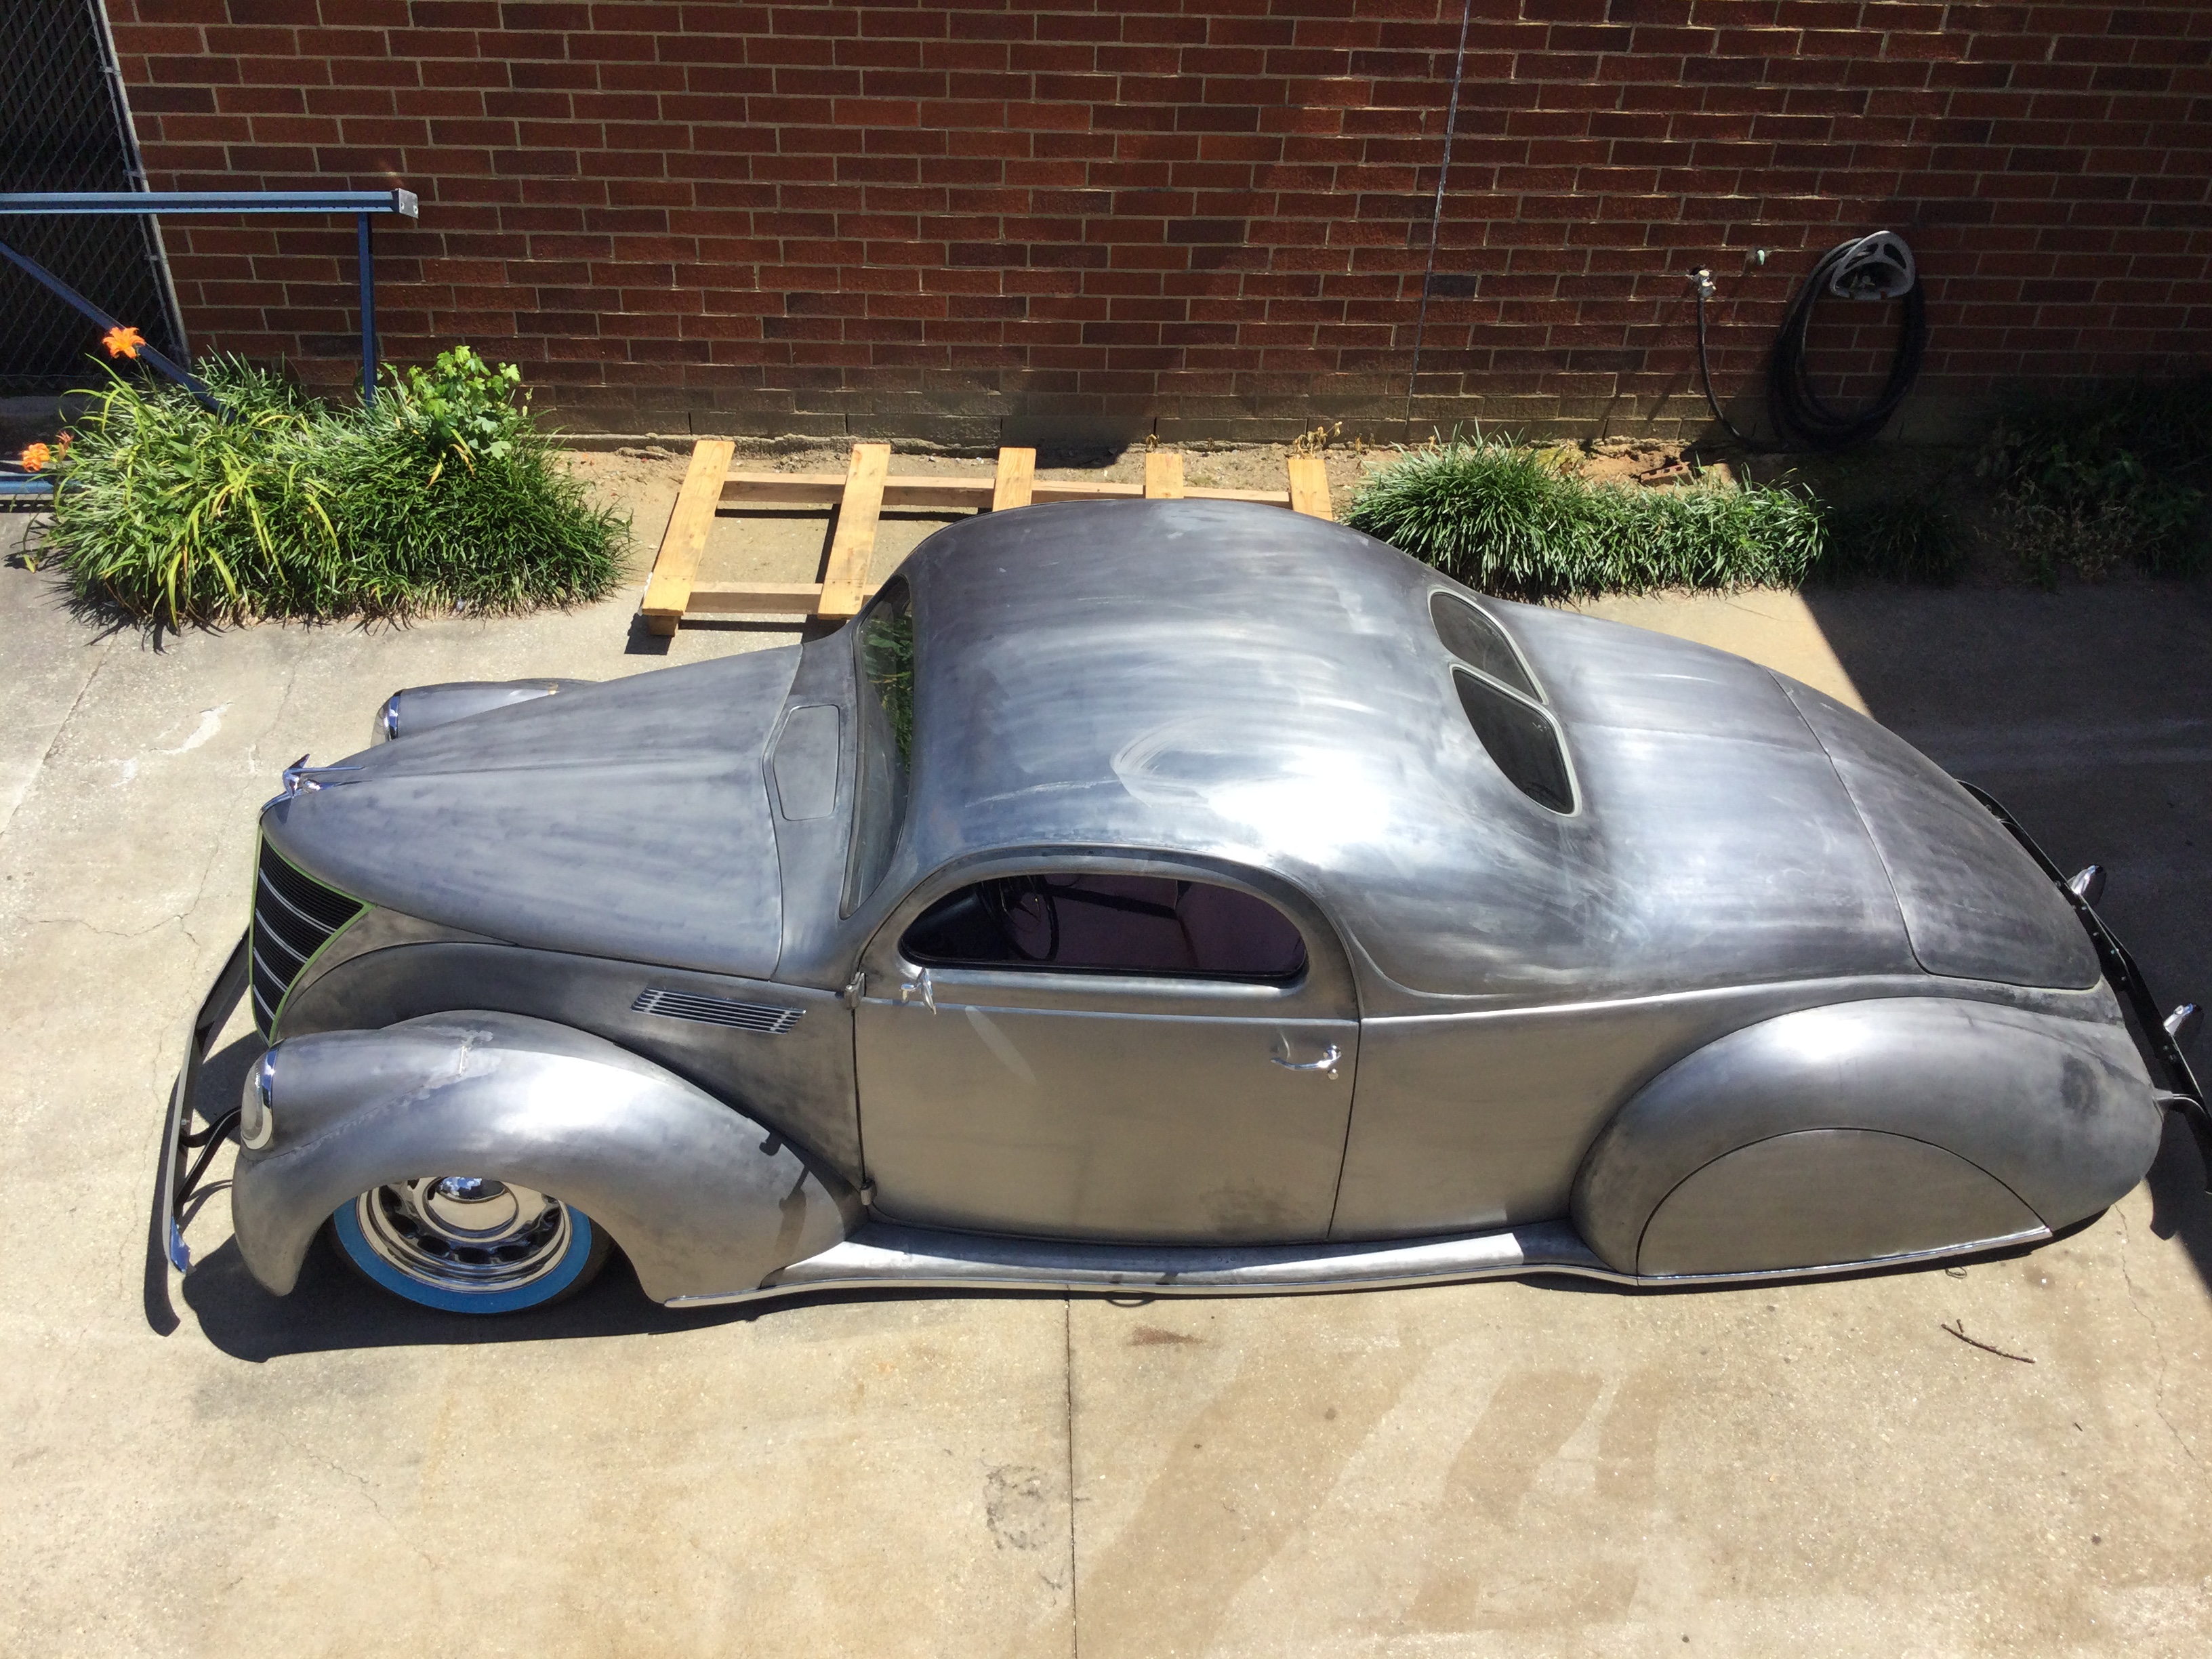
578	1266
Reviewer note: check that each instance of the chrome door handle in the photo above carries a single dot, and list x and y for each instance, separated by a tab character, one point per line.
1326	1063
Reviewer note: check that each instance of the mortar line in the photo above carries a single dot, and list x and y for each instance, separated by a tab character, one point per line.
1067	1354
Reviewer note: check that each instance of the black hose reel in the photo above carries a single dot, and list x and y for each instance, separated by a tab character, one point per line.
1875	267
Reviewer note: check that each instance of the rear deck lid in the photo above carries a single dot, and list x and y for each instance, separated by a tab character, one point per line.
1975	904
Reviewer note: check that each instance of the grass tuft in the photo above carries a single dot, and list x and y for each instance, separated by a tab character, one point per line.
1899	538
2119	481
441	495
1514	521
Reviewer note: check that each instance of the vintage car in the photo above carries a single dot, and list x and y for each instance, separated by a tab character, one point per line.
1163	896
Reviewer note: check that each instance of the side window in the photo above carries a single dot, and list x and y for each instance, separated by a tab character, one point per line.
1108	924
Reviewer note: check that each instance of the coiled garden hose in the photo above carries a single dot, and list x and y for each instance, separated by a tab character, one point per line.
1865	266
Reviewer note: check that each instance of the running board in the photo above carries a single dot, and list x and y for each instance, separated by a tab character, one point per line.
882	1255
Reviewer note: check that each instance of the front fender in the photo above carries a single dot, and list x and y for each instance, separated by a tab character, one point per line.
703	1200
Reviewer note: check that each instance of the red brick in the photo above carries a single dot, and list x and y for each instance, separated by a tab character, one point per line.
615	204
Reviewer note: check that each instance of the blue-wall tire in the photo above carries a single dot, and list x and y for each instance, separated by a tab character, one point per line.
588	1246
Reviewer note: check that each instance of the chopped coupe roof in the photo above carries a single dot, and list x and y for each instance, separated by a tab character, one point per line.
1243	682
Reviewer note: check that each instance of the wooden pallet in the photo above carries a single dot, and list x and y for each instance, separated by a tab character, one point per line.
859	497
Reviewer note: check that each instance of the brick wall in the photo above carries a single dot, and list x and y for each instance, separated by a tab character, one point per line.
1201	217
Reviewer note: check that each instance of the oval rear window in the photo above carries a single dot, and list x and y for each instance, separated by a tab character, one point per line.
1478	642
1521	739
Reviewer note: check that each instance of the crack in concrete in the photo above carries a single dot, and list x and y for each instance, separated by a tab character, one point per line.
38	768
275	716
178	919
2158	1342
369	1493
1067	1339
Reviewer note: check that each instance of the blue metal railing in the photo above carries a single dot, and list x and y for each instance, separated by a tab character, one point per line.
364	205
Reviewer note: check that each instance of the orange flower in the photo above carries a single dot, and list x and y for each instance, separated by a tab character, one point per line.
35	456
123	340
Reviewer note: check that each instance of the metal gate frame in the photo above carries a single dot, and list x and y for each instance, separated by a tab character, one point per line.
363	204
71	112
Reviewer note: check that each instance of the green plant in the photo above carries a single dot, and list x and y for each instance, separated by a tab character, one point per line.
887	658
1899	538
1512	521
2105	483
442	495
463	405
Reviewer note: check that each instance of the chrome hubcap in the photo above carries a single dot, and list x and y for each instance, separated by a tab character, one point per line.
464	1232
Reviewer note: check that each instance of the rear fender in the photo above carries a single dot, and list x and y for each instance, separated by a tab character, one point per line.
703	1199
1868	1129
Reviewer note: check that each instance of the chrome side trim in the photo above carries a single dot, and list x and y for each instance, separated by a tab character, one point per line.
2027	1235
880	1254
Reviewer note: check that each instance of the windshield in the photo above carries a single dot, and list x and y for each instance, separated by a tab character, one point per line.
884	677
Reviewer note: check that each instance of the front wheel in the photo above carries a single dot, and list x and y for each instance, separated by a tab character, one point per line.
470	1244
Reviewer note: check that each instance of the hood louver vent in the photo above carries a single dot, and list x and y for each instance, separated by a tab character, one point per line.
761	1017
294	915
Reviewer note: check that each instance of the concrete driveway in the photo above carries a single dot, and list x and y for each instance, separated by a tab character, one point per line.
1490	1469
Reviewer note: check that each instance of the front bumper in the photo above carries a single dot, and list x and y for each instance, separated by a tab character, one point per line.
186	1154
2178	1089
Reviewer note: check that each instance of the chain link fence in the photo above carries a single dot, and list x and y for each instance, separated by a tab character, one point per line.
64	125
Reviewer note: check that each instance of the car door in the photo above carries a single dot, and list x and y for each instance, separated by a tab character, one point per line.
1107	1047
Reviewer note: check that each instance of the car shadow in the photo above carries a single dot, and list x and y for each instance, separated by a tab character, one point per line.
2179	1207
333	1308
2082	711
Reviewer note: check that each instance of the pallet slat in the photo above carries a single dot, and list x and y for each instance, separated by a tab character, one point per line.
1163	476
761	599
854	543
743	490
682	543
859	497
1015	485
1309	487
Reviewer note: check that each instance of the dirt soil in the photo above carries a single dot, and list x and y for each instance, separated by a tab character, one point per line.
773	546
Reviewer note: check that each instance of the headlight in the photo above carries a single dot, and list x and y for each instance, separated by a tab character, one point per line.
386	724
256	1123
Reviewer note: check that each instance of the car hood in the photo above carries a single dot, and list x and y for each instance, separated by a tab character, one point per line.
630	819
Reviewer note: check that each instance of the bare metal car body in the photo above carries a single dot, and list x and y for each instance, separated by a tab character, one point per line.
1614	955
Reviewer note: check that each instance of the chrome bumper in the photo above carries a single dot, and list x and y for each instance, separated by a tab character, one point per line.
185	1155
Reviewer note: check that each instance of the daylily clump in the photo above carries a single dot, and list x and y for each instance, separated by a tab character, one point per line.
273	504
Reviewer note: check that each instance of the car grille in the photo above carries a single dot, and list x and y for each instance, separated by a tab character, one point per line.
294	915
717	1011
